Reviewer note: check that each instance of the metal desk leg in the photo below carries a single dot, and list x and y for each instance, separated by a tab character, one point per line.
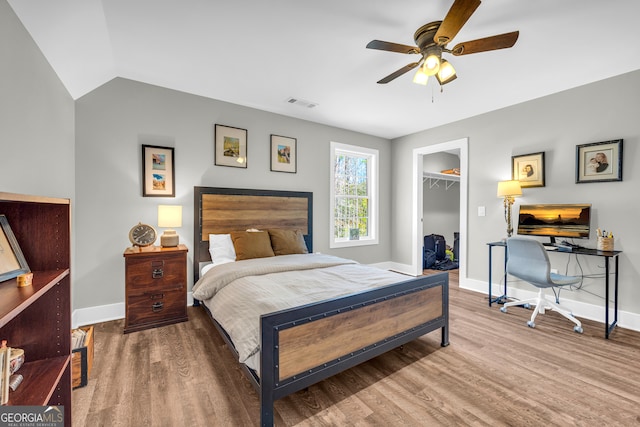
503	298
615	304
490	295
606	297
609	327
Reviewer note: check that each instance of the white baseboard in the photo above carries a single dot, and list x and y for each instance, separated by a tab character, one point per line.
97	314
104	313
395	266
584	310
628	320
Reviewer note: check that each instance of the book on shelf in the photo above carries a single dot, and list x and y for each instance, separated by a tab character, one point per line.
5	372
3	354
78	337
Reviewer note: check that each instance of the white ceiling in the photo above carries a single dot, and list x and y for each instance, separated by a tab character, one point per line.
258	53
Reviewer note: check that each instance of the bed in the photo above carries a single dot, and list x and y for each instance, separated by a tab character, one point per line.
302	345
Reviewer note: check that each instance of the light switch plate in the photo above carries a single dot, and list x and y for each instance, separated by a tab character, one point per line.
481	211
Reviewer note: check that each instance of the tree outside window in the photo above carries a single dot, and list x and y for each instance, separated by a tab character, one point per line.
354	192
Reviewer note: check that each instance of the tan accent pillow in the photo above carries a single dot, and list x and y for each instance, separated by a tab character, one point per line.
287	242
251	244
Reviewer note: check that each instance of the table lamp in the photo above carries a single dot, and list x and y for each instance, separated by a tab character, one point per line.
169	217
509	190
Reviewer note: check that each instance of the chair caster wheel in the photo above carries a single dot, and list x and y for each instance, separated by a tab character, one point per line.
527	306
531	324
578	329
503	309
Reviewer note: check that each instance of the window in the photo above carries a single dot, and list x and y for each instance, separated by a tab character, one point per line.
354	196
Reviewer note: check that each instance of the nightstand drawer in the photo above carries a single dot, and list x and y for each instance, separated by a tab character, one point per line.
155	272
156	287
151	307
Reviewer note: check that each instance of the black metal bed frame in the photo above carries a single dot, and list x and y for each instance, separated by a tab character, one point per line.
269	386
271	389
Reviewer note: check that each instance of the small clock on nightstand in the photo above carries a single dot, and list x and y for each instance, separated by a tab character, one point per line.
142	235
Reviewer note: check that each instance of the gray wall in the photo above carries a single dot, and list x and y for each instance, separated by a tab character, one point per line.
115	119
554	124
36	117
101	173
441	205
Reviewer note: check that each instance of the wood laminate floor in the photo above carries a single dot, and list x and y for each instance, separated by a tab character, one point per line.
495	372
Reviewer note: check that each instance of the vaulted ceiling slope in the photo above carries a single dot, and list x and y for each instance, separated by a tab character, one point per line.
259	53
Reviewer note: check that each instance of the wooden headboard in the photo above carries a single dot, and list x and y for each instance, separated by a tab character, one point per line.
223	210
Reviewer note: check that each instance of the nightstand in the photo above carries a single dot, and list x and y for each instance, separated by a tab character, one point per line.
155	287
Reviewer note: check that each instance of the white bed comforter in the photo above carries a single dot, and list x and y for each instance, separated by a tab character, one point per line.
238	293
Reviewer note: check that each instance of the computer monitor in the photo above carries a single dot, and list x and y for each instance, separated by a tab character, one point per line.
555	220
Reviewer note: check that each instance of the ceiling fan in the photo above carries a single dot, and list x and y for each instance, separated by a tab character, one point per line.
432	40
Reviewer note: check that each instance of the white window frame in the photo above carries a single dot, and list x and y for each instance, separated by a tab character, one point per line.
372	179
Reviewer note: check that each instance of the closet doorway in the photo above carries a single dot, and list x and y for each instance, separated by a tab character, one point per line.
432	155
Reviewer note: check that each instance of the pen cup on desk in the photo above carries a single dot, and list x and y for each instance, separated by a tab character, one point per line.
605	243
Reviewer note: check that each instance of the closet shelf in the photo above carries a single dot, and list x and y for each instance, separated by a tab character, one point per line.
435	177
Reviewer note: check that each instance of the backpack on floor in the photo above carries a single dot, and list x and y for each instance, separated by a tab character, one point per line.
434	250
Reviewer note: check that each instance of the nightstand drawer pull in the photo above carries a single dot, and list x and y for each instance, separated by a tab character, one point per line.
157	306
157	296
158	269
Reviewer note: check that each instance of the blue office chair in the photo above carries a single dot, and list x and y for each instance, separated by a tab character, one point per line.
528	260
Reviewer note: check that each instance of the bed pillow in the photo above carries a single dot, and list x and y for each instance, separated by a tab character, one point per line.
287	242
221	249
206	268
251	244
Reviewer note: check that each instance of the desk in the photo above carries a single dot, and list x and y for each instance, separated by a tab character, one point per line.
607	255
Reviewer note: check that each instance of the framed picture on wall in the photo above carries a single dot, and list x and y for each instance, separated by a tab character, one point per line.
284	154
528	169
599	161
158	171
230	146
12	262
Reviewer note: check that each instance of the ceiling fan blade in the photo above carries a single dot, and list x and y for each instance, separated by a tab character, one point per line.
392	47
399	72
458	15
501	41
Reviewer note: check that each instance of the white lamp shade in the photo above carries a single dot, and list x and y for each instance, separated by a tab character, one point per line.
169	216
509	188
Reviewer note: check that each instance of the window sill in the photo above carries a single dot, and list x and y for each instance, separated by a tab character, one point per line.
352	243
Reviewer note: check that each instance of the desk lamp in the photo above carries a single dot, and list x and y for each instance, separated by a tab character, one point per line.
169	217
509	190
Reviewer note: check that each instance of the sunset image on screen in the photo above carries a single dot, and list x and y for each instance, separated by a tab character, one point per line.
549	213
554	220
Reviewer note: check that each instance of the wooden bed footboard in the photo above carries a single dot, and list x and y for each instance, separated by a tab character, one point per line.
304	345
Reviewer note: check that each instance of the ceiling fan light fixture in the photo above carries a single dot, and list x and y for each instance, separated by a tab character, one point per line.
421	77
446	73
432	39
431	64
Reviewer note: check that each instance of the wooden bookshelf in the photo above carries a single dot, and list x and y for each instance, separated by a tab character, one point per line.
37	318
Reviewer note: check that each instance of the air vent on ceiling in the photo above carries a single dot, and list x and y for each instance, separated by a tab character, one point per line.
301	102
